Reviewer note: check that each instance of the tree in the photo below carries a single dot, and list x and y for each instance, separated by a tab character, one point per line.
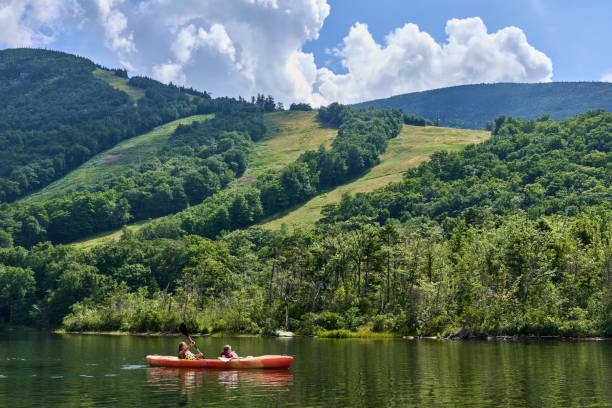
15	284
389	236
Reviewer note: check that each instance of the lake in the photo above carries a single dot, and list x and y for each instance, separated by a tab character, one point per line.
39	369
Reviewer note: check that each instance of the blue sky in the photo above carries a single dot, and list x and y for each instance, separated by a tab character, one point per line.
319	51
576	35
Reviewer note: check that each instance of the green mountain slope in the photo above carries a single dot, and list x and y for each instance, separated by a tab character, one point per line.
471	106
58	110
290	134
411	147
534	167
117	161
159	173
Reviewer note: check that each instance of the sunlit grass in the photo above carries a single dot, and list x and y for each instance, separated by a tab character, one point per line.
289	134
410	148
91	241
119	83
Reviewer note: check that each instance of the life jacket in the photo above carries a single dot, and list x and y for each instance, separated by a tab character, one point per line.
229	354
187	356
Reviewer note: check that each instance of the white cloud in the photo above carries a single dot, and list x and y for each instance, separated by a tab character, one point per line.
188	40
169	72
606	77
241	47
27	23
115	23
231	47
411	60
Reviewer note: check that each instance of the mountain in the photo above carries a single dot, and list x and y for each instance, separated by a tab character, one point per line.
290	134
510	236
59	110
472	106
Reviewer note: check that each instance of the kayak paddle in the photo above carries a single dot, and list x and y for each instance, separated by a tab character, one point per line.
183	329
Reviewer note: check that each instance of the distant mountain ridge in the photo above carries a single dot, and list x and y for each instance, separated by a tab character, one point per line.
471	106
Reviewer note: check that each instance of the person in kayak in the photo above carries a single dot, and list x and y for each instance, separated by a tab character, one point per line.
185	354
228	353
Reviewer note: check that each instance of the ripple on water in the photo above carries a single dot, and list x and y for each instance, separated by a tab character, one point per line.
133	366
85	375
111	375
57	376
3	376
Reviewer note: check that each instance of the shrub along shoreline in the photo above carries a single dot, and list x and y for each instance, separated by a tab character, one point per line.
342	334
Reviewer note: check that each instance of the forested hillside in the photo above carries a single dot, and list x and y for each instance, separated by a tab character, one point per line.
193	163
362	137
56	114
509	236
472	106
539	167
414	145
483	241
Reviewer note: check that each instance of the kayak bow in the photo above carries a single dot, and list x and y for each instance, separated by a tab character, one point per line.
268	361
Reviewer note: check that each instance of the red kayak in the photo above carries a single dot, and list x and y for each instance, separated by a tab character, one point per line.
240	362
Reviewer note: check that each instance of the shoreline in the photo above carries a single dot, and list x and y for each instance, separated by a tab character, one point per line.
353	335
288	335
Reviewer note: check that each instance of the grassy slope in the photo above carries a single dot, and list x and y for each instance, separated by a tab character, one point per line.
91	241
289	135
119	83
411	147
119	159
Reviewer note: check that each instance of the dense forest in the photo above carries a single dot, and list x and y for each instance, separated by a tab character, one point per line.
512	236
513	275
539	167
197	161
362	137
472	106
56	114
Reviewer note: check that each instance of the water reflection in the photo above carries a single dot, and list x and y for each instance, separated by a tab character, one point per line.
167	379
325	373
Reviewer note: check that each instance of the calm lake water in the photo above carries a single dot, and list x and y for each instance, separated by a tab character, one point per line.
39	369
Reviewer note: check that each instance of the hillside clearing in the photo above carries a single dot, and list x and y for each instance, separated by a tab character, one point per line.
292	133
119	159
289	134
91	241
412	146
119	83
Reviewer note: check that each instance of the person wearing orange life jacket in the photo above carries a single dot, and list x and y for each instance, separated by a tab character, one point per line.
185	354
228	353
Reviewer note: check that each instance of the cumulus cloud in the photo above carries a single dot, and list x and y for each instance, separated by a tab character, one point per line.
26	23
188	40
411	60
607	77
115	25
230	47
241	47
